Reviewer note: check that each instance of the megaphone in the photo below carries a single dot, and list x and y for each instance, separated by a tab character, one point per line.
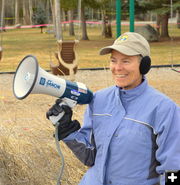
29	78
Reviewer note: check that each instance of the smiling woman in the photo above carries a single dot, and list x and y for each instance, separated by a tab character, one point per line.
143	123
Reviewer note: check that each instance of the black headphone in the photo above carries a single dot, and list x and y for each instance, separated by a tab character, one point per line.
145	65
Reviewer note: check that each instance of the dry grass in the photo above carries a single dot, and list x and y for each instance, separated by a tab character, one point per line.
27	148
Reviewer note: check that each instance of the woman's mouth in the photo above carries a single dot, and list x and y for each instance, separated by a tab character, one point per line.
120	76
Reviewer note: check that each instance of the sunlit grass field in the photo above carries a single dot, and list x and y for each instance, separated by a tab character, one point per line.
17	43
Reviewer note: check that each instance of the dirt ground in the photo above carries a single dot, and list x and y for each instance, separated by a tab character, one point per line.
27	148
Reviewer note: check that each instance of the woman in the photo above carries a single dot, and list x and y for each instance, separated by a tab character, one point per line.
131	132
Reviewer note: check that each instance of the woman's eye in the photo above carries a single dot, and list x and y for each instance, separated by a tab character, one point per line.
126	61
112	60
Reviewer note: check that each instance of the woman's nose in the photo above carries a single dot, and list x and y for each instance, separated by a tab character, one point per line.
118	66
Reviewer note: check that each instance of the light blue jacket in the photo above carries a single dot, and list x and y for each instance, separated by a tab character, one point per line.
129	137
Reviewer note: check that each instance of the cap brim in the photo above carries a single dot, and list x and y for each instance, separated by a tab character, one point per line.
120	48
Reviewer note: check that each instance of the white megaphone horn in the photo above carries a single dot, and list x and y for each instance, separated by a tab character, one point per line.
31	79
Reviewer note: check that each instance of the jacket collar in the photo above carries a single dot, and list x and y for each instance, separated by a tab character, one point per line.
129	95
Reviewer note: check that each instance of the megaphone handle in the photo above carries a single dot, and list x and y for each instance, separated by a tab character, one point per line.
55	119
65	101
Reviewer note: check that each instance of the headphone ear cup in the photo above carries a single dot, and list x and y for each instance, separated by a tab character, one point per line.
145	65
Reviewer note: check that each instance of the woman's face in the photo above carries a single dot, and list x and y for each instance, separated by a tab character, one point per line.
125	70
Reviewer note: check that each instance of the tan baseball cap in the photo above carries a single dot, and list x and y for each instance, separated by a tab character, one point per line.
129	43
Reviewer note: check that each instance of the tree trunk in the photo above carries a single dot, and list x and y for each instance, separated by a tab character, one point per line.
71	24
53	15
30	12
164	27
2	15
158	23
103	24
26	19
83	23
178	18
106	31
64	18
58	20
109	30
17	12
